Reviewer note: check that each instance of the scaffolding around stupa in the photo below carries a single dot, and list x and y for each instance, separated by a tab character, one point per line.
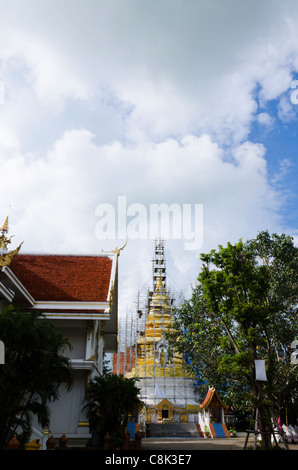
166	388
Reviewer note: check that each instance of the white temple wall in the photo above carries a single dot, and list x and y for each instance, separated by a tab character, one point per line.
72	330
66	414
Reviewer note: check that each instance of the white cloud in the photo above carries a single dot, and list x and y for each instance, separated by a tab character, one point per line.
151	100
178	69
265	120
286	110
54	199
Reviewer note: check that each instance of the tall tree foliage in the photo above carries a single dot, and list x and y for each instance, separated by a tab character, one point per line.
34	369
244	308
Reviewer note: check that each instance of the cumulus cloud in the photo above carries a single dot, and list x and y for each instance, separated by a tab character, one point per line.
174	69
151	100
265	120
54	199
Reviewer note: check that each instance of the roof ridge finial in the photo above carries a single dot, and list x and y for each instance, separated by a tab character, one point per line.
5	255
4	227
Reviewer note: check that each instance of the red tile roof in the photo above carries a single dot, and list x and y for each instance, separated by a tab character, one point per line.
76	278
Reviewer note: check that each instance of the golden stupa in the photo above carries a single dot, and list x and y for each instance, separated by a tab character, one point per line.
166	388
153	355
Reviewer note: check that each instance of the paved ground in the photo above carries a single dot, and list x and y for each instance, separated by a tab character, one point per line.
200	444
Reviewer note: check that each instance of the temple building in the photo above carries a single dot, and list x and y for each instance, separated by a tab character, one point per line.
79	295
166	389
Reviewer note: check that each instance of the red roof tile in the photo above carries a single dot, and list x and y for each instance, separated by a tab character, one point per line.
64	277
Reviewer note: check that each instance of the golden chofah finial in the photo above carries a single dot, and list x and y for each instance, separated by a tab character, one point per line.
116	250
6	256
4	227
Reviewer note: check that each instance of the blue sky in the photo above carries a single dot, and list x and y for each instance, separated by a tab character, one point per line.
174	102
280	142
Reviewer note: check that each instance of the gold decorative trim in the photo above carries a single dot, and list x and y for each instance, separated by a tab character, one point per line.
6	257
116	250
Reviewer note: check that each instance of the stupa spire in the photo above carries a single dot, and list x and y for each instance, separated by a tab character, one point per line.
166	389
159	284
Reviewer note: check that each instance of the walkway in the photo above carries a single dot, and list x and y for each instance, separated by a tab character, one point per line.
200	444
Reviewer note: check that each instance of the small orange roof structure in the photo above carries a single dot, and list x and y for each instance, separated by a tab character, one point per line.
212	400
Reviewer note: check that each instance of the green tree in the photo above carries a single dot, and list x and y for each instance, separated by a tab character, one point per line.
110	399
244	308
34	369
